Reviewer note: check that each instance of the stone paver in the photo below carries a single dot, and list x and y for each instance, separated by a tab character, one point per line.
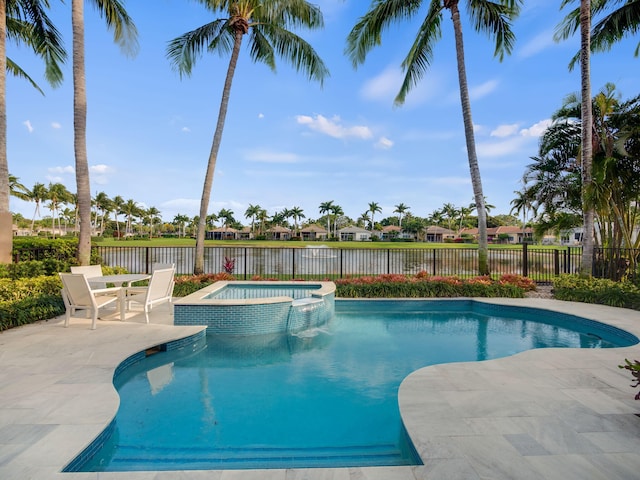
542	414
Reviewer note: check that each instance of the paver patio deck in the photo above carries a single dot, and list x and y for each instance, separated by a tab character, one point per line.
542	414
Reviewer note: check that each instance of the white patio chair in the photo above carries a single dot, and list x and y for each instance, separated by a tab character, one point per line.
160	290
90	271
78	295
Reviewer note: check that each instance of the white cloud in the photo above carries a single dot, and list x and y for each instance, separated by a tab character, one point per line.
383	87
261	115
100	169
537	44
496	149
384	143
27	124
271	157
55	125
505	130
333	127
185	129
536	129
483	90
62	170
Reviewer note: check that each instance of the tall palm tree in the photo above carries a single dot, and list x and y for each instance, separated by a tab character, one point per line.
566	28
267	22
37	195
23	21
491	17
181	221
374	208
153	215
363	219
118	203
17	189
296	213
401	209
105	205
336	211
58	194
125	35
325	209
252	212
226	216
130	209
450	212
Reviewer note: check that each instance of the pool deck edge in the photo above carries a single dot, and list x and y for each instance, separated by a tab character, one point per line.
541	414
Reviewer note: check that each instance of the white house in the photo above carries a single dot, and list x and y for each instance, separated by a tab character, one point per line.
356	234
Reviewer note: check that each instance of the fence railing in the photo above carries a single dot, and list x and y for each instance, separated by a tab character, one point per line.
540	264
331	263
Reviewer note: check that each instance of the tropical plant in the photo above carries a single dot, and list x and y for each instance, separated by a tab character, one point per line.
252	212
118	205
130	209
336	211
181	220
125	35
401	209
491	17
267	23
37	195
373	209
296	213
325	209
57	195
24	22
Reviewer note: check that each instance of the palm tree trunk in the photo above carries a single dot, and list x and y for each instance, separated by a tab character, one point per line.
586	140
198	267
6	221
483	249
80	133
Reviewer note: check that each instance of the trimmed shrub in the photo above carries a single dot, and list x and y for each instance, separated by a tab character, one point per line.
597	290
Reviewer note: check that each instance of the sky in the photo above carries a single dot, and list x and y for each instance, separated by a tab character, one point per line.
289	142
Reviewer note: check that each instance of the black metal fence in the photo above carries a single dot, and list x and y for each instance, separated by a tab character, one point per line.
540	264
321	262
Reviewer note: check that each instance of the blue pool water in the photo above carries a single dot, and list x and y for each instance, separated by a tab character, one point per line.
244	292
321	398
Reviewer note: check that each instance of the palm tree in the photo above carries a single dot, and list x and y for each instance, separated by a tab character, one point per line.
118	204
374	208
363	219
336	211
266	22
125	35
582	17
252	212
488	16
226	216
17	189
325	208
37	195
296	213
58	194
180	220
401	209
105	205
152	214
450	212
24	21
130	209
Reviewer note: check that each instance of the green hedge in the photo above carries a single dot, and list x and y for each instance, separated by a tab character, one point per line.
29	300
597	290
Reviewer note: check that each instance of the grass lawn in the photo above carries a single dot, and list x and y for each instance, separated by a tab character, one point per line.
190	242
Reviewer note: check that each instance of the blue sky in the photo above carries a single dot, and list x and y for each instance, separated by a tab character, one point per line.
288	142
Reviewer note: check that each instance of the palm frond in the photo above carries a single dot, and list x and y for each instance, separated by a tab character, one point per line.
16	71
495	19
184	50
296	51
367	33
622	22
420	55
290	14
125	33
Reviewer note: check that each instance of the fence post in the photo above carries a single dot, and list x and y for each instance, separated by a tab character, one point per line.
434	262
388	261
525	260
293	263
341	261
556	262
245	263
147	256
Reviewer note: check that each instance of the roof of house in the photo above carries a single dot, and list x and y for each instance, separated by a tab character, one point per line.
314	228
436	229
279	229
354	229
391	228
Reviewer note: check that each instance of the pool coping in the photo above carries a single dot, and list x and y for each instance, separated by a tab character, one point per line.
197	298
540	414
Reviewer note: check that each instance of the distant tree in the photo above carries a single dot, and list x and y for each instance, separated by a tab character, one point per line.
325	209
373	209
181	220
57	195
37	195
336	211
252	212
296	213
118	204
401	209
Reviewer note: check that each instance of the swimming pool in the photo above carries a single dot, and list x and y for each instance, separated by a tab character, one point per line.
258	381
